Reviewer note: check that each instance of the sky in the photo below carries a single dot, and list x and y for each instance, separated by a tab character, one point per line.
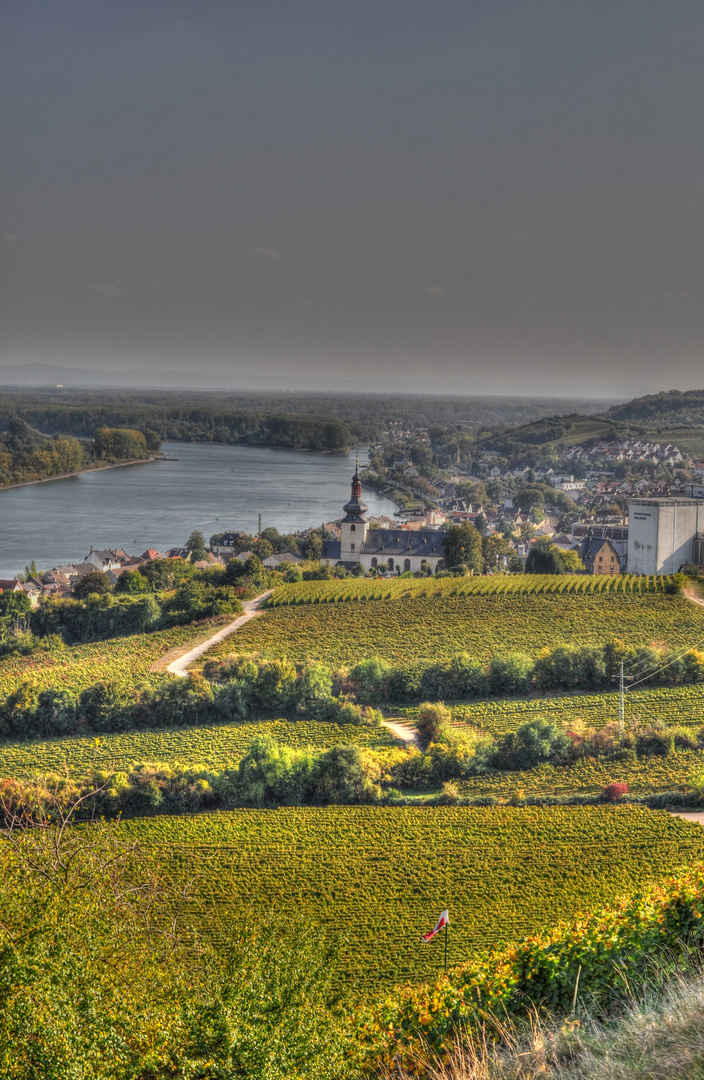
461	196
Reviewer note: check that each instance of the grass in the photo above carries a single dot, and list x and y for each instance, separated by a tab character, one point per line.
429	629
658	1036
217	747
380	876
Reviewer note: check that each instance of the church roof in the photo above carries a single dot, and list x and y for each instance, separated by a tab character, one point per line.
403	542
331	549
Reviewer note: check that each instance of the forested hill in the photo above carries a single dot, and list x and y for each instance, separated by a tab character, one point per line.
669	408
322	421
185	422
673	416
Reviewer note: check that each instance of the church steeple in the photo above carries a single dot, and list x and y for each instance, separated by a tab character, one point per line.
355	509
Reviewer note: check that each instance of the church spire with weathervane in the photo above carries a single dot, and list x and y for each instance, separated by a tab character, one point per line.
354	525
355	509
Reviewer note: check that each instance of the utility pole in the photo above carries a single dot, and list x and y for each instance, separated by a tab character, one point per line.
621	703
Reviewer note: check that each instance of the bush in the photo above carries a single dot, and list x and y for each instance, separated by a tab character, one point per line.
430	721
532	745
613	792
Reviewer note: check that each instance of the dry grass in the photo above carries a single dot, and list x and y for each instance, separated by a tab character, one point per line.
657	1039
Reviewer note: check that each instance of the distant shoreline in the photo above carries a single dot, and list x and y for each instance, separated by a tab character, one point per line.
78	472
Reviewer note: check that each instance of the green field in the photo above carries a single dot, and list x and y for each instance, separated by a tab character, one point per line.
124	660
435	628
214	748
363	589
380	876
646	776
676	706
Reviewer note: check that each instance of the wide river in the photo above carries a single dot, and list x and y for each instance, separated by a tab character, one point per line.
157	504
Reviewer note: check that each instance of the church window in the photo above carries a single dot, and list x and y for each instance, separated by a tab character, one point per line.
351	547
406	564
353	528
374	564
391	564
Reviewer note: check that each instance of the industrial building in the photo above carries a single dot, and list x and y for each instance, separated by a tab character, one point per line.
664	534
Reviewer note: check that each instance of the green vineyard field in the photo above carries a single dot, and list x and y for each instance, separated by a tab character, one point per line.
212	747
338	592
124	660
676	706
380	876
428	629
646	776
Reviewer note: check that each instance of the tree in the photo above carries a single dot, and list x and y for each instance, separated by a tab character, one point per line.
153	440
471	491
463	546
312	548
494	491
571	559
543	559
196	546
430	722
262	548
495	548
94	582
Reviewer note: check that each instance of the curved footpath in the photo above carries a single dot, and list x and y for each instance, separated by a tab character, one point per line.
251	608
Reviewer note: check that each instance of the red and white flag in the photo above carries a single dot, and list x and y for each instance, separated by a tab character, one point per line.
444	920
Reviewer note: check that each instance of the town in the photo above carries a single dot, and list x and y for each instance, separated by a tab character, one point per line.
658	534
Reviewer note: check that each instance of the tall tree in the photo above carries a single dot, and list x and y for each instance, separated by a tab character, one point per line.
544	559
196	545
463	547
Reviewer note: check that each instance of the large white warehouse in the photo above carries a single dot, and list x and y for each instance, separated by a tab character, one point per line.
663	534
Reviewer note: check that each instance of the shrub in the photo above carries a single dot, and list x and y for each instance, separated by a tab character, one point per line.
613	792
430	721
532	745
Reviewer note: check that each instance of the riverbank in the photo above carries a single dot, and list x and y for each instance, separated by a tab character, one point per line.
88	469
404	500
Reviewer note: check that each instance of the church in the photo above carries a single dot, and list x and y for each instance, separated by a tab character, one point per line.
398	550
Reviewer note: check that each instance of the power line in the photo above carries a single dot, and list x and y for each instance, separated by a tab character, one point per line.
666	666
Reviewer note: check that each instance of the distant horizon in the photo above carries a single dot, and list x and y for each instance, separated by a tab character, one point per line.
32	374
443	199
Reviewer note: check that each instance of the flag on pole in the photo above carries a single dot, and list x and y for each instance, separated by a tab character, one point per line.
444	920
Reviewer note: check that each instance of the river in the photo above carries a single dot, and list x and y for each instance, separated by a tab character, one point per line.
157	504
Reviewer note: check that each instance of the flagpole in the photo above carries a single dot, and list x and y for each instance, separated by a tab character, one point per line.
446	926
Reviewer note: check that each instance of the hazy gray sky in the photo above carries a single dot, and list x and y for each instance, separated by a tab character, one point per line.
499	196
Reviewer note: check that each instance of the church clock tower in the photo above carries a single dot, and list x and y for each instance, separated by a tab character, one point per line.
354	525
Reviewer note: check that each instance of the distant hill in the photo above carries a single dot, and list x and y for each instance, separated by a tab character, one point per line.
683	408
673	416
